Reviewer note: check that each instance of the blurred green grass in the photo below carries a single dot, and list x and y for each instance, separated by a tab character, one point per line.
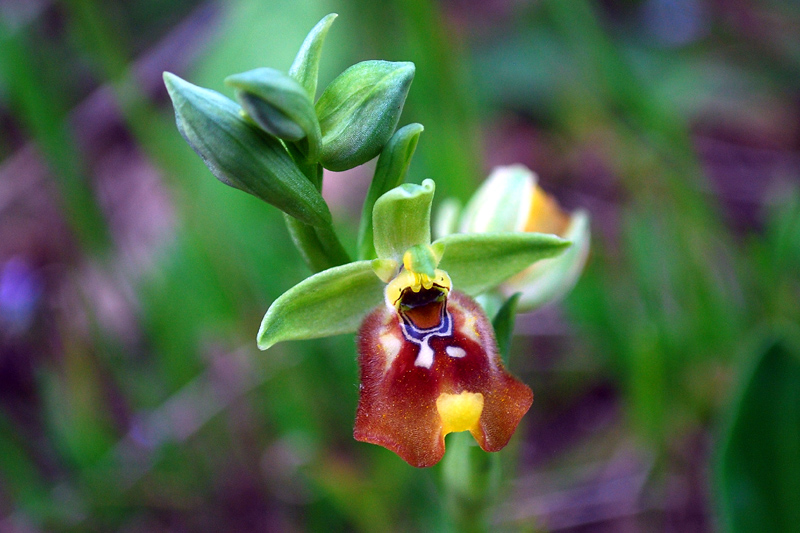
176	421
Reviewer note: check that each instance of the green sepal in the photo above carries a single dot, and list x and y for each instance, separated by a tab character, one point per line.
389	173
401	219
305	66
241	155
280	106
503	324
329	303
359	111
476	262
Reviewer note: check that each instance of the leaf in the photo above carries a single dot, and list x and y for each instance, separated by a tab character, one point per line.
359	111
305	66
329	303
389	173
759	464
401	219
477	262
241	155
503	323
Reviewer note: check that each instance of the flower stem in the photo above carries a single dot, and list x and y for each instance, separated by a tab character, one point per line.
320	247
468	477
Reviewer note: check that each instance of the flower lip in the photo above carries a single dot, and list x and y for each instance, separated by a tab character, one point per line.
424	309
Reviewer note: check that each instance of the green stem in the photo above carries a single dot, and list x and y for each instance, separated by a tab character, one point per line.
320	247
469	478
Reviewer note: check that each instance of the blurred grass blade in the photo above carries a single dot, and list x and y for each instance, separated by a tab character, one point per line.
759	465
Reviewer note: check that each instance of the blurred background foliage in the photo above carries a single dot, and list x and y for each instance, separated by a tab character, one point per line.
132	283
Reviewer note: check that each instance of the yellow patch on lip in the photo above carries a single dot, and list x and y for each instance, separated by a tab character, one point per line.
459	412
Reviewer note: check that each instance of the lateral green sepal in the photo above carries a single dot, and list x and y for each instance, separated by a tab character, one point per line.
329	303
476	262
241	155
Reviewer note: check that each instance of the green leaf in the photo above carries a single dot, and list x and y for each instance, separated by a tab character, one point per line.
477	262
241	155
306	64
280	106
759	464
389	173
401	219
331	302
359	111
503	323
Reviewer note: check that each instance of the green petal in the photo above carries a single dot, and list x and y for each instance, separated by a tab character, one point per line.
477	262
306	64
402	218
241	155
421	260
389	173
331	302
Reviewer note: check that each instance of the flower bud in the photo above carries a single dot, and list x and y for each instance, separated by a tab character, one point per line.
279	105
510	200
359	111
306	64
241	155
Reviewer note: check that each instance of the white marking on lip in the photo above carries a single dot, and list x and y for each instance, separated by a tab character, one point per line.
391	347
425	356
455	351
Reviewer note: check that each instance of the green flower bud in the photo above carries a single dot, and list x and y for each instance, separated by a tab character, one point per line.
241	155
359	111
280	105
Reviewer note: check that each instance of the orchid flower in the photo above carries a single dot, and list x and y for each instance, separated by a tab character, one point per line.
428	358
510	200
